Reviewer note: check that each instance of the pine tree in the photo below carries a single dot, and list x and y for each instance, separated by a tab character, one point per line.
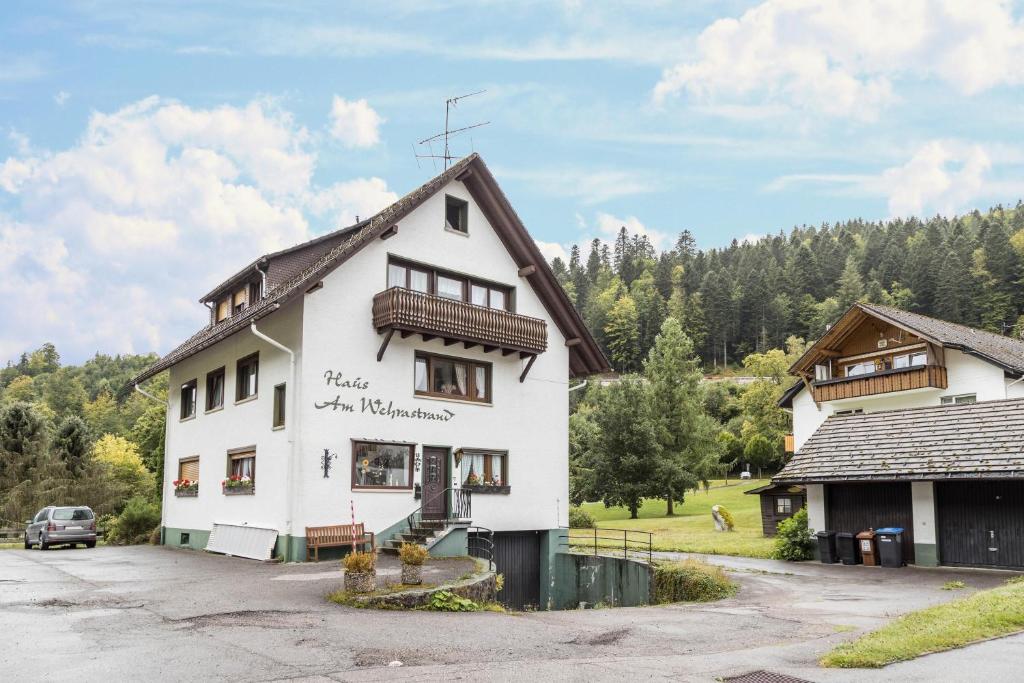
623	335
687	435
850	285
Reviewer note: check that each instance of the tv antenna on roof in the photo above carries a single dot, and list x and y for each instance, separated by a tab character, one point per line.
448	133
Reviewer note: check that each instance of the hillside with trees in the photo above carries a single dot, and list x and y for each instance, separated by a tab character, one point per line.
751	296
80	435
666	319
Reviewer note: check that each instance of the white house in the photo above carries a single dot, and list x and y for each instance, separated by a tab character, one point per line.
904	420
413	362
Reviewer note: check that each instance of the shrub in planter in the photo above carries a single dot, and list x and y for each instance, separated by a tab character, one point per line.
794	541
690	581
580	519
413	556
360	572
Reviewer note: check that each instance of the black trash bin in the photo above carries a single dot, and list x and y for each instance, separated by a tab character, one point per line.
890	546
846	545
827	547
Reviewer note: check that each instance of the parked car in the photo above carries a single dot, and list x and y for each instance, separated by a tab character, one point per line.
61	526
745	475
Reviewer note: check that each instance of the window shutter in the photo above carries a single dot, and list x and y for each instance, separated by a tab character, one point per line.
189	469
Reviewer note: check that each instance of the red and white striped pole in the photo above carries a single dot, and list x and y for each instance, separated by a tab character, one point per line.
352	505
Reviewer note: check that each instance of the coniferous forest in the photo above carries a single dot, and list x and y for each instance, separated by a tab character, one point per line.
750	297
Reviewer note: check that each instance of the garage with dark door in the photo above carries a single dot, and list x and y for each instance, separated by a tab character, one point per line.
517	558
856	507
981	523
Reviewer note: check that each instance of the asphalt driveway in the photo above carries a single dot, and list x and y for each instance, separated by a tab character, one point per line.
164	614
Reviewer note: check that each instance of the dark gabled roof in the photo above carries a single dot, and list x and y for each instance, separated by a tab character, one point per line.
1005	352
281	266
777	489
300	267
980	440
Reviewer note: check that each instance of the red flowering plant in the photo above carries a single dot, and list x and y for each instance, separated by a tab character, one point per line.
185	486
237	482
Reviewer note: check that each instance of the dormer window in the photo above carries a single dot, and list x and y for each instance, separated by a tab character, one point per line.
456	215
239	301
223	309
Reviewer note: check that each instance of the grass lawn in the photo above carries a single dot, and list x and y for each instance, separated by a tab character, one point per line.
986	614
692	529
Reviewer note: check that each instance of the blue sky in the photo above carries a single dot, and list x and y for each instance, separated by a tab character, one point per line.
146	150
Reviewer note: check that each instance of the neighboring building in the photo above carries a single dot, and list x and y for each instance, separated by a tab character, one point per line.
904	420
779	502
426	349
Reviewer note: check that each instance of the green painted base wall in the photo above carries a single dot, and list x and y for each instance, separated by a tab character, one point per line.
288	548
454	544
197	538
599	580
552	544
926	555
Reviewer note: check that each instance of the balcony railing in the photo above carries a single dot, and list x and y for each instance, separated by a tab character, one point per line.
901	379
409	311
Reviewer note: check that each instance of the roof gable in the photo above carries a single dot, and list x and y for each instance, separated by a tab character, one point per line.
301	267
1005	352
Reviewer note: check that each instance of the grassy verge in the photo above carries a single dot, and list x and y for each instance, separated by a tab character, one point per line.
690	581
986	614
691	528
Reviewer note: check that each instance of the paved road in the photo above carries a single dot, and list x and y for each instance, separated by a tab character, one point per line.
147	613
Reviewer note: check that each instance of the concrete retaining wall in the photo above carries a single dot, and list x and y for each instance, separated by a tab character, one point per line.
588	580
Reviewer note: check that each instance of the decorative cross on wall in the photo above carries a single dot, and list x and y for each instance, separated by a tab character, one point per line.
325	461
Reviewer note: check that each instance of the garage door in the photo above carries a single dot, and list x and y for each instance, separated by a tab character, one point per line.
856	507
517	557
980	523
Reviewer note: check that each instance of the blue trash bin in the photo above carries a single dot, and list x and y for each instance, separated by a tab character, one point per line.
890	546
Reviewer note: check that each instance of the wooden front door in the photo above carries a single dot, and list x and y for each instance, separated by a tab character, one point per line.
435	481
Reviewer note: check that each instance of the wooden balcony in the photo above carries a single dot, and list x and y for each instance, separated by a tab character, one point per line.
902	379
411	312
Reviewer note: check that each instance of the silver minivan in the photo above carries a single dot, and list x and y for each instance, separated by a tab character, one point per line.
61	526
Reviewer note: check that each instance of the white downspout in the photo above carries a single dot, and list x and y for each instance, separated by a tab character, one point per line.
291	418
147	394
578	386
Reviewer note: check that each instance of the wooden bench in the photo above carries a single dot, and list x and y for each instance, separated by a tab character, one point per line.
337	536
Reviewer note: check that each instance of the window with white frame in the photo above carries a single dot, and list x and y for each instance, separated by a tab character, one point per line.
960	399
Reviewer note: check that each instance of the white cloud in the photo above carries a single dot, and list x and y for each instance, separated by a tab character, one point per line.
589	186
109	240
552	250
355	123
941	176
62	97
608	227
842	58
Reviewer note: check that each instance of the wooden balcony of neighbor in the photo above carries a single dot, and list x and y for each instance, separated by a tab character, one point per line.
410	312
901	379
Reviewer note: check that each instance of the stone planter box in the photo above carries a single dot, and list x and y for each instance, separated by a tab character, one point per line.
484	490
186	493
360	582
238	490
412	574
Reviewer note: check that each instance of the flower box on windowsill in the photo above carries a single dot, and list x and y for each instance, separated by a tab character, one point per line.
483	488
190	492
238	490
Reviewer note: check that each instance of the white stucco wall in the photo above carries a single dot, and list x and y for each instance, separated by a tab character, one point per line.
816	507
923	507
529	420
211	435
965	375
